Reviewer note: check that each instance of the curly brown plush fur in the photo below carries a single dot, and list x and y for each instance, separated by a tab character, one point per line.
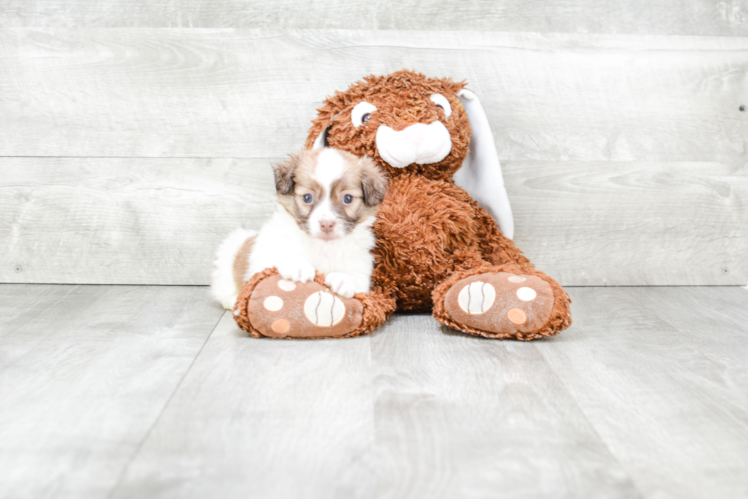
402	99
430	232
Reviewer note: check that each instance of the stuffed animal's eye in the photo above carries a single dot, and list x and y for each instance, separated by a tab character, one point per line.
347	199
308	198
442	102
362	113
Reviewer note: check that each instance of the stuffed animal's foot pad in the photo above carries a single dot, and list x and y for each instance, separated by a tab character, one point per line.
283	308
500	303
324	309
476	297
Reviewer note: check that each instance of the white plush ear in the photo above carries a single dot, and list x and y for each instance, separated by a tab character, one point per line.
321	140
480	174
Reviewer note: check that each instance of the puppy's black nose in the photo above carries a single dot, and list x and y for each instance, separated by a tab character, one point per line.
327	226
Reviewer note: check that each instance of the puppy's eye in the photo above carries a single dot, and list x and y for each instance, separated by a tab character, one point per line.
347	199
361	113
442	102
308	198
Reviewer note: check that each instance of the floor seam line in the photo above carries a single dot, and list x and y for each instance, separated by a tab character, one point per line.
161	412
625	469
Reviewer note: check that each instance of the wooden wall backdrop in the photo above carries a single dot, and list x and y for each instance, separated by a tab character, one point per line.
135	134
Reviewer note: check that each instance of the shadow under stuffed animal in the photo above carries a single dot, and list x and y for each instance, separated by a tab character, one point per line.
438	248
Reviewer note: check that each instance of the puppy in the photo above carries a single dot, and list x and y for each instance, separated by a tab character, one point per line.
326	205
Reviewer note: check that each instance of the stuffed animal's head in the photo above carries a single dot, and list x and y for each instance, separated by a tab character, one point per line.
408	123
404	121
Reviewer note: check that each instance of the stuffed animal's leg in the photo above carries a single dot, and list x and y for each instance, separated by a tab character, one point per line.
502	302
269	306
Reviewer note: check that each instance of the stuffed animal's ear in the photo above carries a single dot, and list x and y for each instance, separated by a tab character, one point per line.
480	174
284	175
373	182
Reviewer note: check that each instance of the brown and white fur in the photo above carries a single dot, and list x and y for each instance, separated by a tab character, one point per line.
327	202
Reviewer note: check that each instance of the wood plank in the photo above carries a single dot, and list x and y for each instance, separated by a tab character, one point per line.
660	373
272	418
136	221
643	396
459	416
159	221
263	418
678	17
84	374
632	223
251	93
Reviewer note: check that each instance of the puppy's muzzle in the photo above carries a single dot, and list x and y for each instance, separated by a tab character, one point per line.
327	226
419	143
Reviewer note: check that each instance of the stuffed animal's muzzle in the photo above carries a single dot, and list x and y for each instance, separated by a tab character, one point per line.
419	143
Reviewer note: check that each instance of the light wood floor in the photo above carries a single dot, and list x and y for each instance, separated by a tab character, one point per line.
153	391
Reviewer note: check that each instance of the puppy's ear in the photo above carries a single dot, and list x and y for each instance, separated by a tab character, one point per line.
284	174
373	182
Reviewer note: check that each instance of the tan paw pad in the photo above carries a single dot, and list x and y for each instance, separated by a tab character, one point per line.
280	326
517	316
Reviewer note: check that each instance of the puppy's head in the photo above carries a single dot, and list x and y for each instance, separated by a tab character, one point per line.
328	191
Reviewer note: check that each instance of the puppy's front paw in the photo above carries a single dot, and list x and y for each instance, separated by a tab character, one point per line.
297	271
341	283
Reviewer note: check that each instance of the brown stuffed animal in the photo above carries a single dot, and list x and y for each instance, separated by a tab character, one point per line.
437	248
